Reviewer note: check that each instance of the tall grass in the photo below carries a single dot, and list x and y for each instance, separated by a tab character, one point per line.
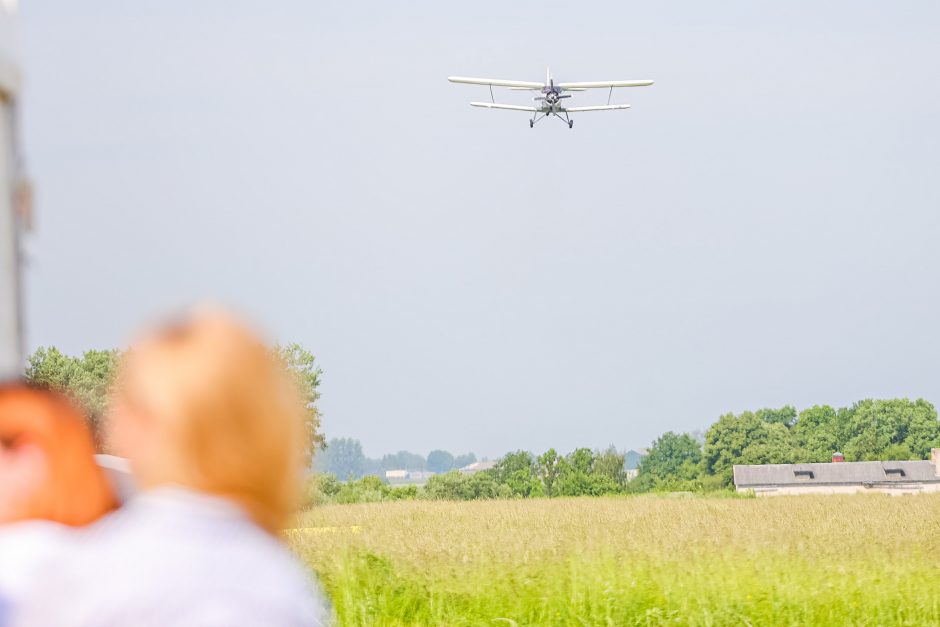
837	560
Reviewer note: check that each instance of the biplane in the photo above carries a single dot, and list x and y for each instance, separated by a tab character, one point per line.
550	101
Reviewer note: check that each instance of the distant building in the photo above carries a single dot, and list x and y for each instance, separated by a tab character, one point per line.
476	467
407	477
841	477
631	461
631	473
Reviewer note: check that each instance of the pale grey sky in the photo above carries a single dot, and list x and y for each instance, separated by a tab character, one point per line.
760	229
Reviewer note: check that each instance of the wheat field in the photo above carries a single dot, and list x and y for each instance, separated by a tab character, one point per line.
650	560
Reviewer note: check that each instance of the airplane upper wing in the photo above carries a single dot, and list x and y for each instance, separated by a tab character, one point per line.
604	84
597	108
493	105
495	82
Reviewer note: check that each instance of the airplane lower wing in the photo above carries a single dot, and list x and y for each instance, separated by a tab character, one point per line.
603	85
495	82
493	105
597	108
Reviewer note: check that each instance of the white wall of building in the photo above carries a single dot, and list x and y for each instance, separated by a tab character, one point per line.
893	490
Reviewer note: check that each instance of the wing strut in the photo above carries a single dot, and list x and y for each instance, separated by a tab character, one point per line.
493	98
610	95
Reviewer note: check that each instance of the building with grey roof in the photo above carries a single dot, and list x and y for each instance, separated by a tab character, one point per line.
837	477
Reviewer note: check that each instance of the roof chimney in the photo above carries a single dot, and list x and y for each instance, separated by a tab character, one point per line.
837	457
935	458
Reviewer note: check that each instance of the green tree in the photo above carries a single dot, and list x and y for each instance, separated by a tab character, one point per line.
464	460
574	473
455	486
343	458
440	461
547	464
403	460
773	445
819	432
303	368
517	471
745	439
610	464
87	379
786	415
923	429
672	456
577	476
875	426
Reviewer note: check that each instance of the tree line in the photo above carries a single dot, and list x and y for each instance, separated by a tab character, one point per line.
887	429
897	429
343	458
520	474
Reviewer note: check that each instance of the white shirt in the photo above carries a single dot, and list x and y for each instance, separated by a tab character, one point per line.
25	550
170	556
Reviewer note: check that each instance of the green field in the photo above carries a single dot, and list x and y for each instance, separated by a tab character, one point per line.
808	560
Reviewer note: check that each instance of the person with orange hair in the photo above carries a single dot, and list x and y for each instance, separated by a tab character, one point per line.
48	482
212	428
47	465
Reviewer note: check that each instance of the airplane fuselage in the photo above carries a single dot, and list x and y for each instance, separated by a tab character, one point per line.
551	97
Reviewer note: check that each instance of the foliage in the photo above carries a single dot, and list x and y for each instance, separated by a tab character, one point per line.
610	464
746	439
648	560
547	467
516	475
672	456
785	416
440	461
303	368
402	460
455	486
342	457
579	474
87	379
323	489
518	472
464	460
876	426
819	432
869	430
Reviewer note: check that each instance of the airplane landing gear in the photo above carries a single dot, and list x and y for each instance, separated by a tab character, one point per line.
531	123
570	123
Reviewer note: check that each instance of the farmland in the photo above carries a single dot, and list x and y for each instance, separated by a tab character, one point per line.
646	560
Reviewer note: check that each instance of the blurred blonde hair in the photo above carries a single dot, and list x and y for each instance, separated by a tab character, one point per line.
73	490
224	415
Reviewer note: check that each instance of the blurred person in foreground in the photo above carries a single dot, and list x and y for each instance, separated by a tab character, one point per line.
213	431
48	482
47	466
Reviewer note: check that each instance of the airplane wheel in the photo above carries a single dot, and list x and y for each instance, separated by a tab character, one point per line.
531	123
570	123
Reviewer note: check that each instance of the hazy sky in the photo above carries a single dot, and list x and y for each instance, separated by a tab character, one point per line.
760	228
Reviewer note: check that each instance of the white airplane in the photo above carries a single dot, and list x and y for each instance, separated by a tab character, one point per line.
552	94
